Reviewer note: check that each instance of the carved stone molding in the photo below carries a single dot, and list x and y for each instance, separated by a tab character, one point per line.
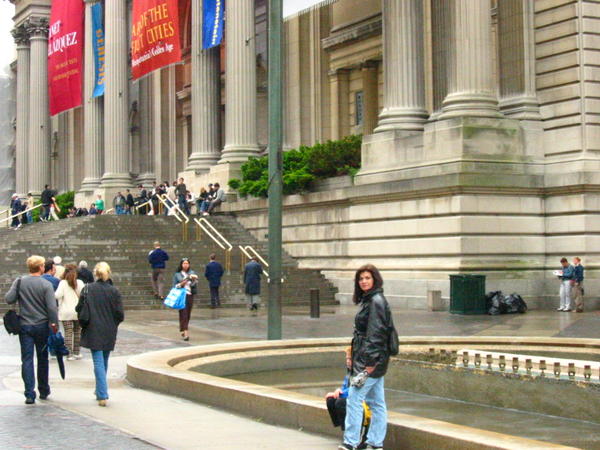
21	35
37	26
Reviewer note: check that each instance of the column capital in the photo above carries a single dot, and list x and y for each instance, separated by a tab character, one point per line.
21	35
37	27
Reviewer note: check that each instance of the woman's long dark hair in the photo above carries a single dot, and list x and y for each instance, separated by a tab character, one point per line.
180	266
377	281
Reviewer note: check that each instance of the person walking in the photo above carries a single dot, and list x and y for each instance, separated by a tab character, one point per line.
370	357
577	284
186	278
100	312
58	267
46	199
129	202
83	273
565	277
30	203
99	204
67	296
38	315
157	259
49	274
15	209
213	273
252	272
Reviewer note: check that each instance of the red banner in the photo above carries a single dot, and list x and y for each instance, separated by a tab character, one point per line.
65	55
154	36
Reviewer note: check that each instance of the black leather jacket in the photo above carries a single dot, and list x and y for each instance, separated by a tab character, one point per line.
371	329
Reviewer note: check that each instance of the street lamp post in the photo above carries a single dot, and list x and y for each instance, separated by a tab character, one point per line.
275	165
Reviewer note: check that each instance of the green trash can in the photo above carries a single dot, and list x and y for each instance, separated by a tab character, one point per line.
467	294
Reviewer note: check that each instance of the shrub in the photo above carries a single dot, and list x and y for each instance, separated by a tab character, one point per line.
301	167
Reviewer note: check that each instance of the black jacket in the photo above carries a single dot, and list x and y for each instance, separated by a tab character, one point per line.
371	332
106	313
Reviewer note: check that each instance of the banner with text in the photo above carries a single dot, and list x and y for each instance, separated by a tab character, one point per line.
99	48
154	36
212	23
65	55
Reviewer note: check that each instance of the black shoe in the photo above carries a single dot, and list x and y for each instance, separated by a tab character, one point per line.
346	447
373	447
44	396
29	401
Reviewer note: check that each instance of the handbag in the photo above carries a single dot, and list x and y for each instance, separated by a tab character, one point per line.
176	298
83	313
393	341
12	321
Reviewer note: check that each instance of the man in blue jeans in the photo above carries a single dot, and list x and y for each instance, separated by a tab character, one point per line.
39	315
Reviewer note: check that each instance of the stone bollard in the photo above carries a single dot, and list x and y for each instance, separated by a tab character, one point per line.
434	301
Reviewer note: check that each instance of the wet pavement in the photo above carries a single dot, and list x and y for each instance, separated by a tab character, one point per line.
70	417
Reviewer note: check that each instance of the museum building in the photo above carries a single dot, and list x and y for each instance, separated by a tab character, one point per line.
480	123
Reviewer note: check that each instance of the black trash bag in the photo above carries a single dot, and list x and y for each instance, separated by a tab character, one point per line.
494	302
515	304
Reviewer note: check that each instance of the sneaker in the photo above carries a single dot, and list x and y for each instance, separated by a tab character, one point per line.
566	310
44	396
373	447
71	358
101	402
29	401
78	356
559	309
346	447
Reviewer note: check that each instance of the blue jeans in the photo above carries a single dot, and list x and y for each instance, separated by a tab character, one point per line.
29	216
34	336
183	205
204	206
372	393
119	210
100	358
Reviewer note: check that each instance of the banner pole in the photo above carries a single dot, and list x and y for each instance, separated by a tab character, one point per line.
275	9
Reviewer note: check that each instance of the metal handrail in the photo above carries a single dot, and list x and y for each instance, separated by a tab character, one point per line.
183	217
108	211
245	252
143	204
253	251
212	231
21	213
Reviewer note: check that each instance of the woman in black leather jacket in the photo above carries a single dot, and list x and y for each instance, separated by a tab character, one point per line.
370	354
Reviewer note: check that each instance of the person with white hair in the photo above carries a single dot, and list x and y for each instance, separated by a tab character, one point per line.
83	273
15	208
60	269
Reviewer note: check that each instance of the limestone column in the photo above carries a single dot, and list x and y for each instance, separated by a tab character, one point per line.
404	83
240	83
471	90
518	98
339	83
206	102
93	120
146	156
23	72
370	96
116	97
39	118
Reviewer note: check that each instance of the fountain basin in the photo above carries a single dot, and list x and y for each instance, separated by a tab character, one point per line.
205	374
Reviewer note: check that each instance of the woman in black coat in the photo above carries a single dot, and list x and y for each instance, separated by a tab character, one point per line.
100	312
369	359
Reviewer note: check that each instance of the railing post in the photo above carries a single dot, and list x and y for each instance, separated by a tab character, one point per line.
315	304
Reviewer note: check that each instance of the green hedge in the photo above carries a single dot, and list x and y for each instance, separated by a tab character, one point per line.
301	167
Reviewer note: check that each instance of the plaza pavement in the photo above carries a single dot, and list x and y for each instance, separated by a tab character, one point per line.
140	419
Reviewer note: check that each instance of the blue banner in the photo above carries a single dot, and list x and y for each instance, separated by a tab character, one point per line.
212	23
99	48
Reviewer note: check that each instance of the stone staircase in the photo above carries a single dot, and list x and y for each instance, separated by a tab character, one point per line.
124	242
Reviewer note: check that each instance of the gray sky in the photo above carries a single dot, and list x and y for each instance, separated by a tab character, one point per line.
7	45
293	6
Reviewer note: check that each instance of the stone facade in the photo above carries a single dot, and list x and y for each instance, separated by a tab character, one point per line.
481	137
